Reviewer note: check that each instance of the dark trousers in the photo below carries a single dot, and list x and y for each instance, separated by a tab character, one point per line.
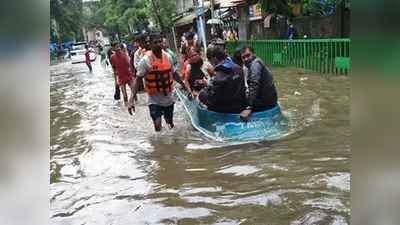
89	65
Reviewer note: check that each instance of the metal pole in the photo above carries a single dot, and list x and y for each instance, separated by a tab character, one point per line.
212	17
203	34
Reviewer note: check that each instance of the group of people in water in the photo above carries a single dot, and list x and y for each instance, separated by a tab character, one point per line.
239	84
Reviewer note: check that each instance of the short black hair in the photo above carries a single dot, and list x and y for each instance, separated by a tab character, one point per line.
115	43
237	57
189	35
290	20
214	36
86	46
245	47
218	52
196	49
142	38
155	35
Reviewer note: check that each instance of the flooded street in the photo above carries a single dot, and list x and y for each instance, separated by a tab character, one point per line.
107	167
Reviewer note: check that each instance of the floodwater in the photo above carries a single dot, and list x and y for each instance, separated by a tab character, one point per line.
107	167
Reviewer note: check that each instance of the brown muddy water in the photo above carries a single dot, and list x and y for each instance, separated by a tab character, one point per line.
107	167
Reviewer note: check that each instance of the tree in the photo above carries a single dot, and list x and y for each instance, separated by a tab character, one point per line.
68	16
166	15
308	7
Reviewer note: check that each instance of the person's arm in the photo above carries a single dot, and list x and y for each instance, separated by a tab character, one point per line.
217	88
210	69
187	78
254	82
136	60
114	71
135	86
176	76
183	53
254	87
143	69
132	60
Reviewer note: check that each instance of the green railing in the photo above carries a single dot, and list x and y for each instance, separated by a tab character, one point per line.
327	56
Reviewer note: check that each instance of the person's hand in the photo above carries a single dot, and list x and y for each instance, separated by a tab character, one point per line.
206	82
131	107
190	95
245	114
184	88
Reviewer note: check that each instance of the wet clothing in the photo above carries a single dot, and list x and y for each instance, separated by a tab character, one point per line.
262	93
227	93
157	111
120	64
158	98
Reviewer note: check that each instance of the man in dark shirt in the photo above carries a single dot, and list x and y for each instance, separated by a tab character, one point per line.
262	93
227	93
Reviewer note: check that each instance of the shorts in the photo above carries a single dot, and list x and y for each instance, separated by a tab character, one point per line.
157	111
125	80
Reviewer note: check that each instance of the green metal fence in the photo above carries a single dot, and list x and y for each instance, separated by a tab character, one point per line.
327	56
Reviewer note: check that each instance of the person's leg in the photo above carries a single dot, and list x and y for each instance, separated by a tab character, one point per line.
89	66
168	115
123	89
156	113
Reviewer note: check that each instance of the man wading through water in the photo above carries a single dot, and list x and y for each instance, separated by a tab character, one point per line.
156	67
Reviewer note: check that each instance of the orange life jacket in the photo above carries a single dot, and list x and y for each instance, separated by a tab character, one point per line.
159	79
194	43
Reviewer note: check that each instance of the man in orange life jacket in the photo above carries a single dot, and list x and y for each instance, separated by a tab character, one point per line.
190	42
156	67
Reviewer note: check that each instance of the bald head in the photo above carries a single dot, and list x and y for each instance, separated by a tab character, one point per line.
165	44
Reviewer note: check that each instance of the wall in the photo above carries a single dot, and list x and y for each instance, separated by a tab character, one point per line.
184	5
336	25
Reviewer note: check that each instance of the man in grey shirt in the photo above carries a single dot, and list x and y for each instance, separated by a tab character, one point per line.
158	82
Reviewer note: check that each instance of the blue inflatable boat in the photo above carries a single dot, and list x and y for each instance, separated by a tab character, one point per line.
266	125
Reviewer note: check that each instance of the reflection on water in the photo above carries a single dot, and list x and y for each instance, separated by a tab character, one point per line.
108	167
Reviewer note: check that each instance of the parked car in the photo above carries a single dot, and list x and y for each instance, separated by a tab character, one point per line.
78	53
106	42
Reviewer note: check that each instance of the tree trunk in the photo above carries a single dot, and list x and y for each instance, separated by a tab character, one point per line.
155	5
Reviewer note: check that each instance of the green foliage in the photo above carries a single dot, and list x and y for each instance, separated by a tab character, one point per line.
309	7
68	17
166	9
122	17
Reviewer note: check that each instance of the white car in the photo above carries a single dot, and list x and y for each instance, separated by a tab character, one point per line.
78	53
106	42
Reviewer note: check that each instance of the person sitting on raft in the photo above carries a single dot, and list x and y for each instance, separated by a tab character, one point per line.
262	93
227	92
197	71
